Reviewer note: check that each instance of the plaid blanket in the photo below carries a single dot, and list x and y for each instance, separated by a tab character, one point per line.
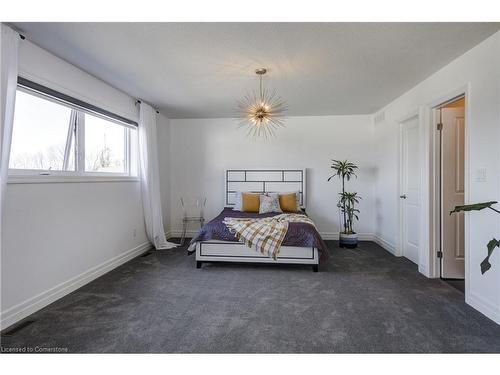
265	234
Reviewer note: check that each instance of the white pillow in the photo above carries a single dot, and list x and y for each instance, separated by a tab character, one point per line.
238	205
269	202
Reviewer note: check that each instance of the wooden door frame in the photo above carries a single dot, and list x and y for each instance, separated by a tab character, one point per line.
433	239
438	182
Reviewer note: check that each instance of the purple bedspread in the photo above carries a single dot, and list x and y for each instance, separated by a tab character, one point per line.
298	234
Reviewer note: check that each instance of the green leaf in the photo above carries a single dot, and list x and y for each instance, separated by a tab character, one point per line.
485	265
491	245
473	207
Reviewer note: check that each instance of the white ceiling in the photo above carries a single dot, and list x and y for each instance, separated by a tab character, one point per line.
192	70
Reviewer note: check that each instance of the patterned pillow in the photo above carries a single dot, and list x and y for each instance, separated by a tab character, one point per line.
269	203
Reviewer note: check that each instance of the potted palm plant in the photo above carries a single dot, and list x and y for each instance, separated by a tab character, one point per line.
485	264
345	170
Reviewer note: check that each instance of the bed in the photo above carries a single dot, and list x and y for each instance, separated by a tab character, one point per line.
302	243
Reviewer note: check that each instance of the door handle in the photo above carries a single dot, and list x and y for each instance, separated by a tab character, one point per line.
402	196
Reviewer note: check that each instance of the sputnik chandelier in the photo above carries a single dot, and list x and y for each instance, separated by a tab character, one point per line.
261	112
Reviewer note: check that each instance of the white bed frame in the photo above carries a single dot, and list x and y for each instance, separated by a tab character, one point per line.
259	181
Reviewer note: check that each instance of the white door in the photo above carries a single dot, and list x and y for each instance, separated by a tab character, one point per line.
452	230
410	189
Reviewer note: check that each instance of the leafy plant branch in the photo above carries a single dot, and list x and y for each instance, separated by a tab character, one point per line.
348	201
485	264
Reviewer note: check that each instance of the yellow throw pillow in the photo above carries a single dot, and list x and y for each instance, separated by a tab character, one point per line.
288	202
250	202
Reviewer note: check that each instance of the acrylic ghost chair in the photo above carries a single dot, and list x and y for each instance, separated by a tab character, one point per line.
193	212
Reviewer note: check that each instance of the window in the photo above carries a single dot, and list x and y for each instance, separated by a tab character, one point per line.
52	137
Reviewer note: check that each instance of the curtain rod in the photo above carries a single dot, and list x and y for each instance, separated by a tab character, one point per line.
139	102
21	35
19	32
36	87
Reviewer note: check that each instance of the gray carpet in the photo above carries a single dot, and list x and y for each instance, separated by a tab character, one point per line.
457	284
363	300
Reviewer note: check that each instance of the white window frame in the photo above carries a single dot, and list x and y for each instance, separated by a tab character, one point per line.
19	176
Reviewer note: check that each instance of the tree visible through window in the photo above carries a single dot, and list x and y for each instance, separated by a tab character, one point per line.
105	144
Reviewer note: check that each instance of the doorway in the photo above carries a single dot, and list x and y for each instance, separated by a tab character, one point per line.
450	133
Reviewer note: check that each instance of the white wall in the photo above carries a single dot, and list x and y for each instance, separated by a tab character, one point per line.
479	68
55	232
59	236
202	148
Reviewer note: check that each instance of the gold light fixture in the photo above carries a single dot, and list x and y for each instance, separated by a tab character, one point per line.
262	112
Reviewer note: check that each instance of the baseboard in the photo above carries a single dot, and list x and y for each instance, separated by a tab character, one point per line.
386	245
422	268
327	236
335	236
332	236
28	307
178	233
324	235
484	307
366	236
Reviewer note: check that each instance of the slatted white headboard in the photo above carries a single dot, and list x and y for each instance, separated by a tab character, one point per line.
264	181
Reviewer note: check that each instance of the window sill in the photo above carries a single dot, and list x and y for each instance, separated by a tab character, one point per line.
42	179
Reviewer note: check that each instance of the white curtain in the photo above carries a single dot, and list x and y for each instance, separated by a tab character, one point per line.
9	40
150	178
